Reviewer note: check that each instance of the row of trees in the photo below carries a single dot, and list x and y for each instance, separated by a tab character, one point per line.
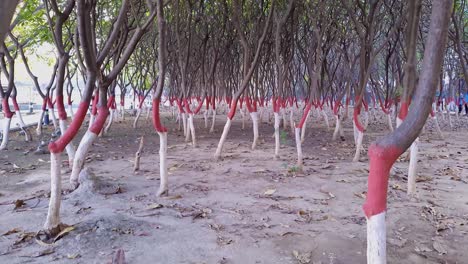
283	54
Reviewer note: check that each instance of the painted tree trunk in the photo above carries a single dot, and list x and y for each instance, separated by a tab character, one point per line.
213	121
299	149
22	125
277	134
80	156
6	133
110	121
53	214
137	117
192	129
163	187
219	149
412	168
303	131
70	148
254	116
39	123
359	138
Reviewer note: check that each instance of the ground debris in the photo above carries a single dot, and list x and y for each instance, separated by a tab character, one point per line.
302	258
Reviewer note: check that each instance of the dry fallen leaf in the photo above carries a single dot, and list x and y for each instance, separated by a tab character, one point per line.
73	256
18	204
64	232
269	191
154	206
360	195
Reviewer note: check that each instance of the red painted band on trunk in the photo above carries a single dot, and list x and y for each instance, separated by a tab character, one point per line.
15	104
262	102
59	145
61	108
179	105
366	105
100	120
156	119
49	103
336	107
187	106
232	112
304	116
213	103
200	104
6	108
381	161
383	107
44	104
69	101
122	101
111	101
356	120
432	113
249	105
403	110
207	102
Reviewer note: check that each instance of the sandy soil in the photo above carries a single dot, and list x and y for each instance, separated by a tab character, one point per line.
245	208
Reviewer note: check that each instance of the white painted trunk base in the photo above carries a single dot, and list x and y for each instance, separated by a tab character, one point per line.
22	126
303	132
6	133
277	134
184	125
53	213
376	239
412	168
163	187
337	127
219	149
80	155
192	130
299	149
213	121
39	123
360	136
110	121
254	116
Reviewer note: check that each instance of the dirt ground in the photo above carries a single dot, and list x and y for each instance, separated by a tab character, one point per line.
246	208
